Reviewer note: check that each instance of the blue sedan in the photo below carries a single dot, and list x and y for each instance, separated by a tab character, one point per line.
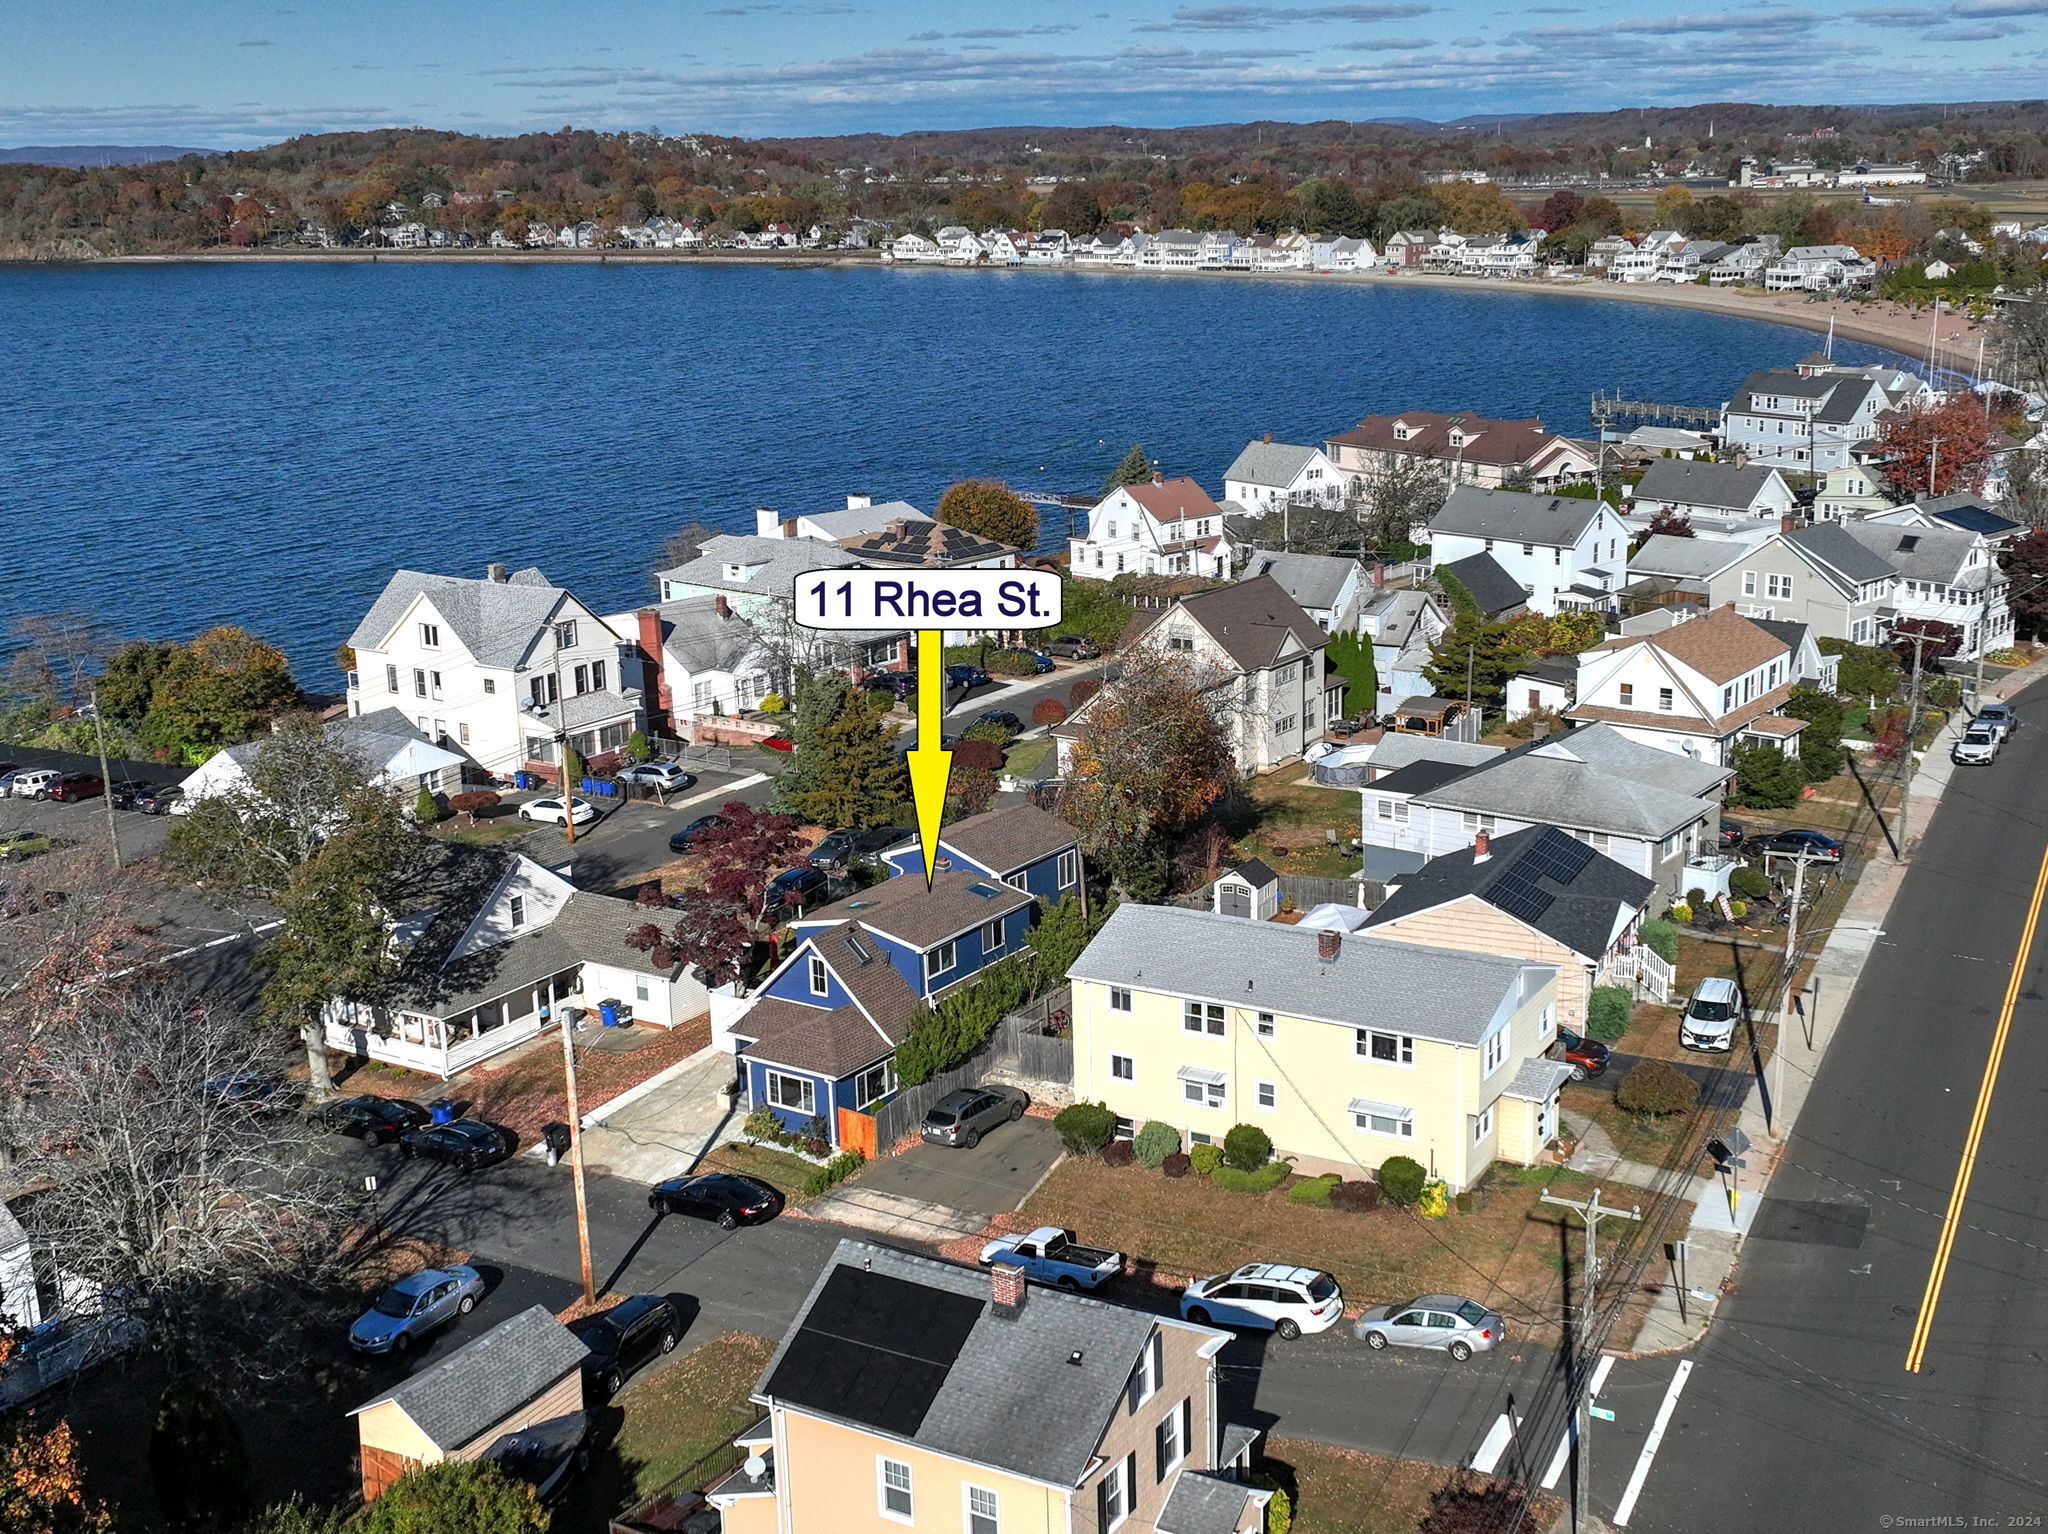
415	1307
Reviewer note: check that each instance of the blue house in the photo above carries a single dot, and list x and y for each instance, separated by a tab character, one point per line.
823	1029
1021	846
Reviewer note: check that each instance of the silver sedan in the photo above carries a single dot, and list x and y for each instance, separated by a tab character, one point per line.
1445	1322
407	1312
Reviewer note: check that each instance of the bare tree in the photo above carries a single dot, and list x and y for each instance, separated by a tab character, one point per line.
686	544
1400	494
2019	337
56	654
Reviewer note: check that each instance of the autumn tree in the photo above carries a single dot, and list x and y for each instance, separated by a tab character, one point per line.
2026	574
1670	522
130	677
1073	207
55	654
1481	208
718	921
1400	495
1134	468
686	544
992	510
1935	448
41	1481
1331	206
2019	338
1919	642
1673	207
216	691
1560	210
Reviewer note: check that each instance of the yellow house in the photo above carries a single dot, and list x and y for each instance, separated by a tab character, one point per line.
1345	1050
1536	893
520	1374
911	1393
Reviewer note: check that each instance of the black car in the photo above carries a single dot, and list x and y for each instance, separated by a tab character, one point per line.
544	1455
1817	845
796	889
727	1197
840	848
467	1143
125	792
1003	717
1733	834
966	676
638	1328
901	685
1071	647
681	840
379	1120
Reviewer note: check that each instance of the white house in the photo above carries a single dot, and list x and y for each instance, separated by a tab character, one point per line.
395	751
1162	527
1564	552
1172	249
1341	253
913	249
1605	251
1269	474
959	247
1327	588
757	576
701	658
1402	626
1818	269
863	515
1643	263
1746	263
1700	488
1813	417
1945	574
499	668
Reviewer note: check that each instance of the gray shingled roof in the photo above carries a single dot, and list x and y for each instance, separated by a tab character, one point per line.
495	620
1700	482
1843	392
1009	838
1515	515
783	559
483	1382
1397	750
1491	586
1685	558
1919	553
857	521
1015	1397
1834	546
700	640
1270	463
1591	779
1203	1504
1313	580
1537	1079
1438	993
1252	620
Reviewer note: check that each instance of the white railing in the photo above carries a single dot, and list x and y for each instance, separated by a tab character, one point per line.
1640	968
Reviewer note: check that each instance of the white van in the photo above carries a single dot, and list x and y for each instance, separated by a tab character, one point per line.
1711	1016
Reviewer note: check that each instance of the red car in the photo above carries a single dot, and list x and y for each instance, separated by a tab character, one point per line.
1586	1057
72	787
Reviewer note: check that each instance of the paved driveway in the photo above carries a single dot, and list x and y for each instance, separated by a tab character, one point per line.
993	1178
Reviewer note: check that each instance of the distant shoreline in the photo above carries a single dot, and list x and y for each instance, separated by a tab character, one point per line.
1882	324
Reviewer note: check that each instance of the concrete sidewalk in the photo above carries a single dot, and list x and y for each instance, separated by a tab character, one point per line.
664	1127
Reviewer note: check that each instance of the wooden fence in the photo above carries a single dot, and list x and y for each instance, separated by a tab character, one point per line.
1034	1043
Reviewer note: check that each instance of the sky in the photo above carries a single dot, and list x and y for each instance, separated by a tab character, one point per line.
238	73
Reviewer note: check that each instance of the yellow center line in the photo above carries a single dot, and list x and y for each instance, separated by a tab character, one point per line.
1917	1351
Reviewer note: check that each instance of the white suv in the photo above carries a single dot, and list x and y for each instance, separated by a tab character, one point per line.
1271	1296
1977	748
1711	1016
26	785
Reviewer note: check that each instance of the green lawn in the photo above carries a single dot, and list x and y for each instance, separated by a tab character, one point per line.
1027	757
1289	825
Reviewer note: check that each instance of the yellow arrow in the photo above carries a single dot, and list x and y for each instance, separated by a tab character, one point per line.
931	766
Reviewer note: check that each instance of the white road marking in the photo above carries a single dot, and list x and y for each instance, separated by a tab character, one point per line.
1564	1442
1627	1505
1495	1444
712	793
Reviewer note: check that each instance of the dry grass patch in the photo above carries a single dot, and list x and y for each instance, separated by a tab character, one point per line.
1347	1491
529	1091
779	1169
1297	816
679	1420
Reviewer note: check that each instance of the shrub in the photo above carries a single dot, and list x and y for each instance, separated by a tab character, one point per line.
638	748
1695	898
1435	1202
1175	1165
774	703
1607	1012
1661	938
762	1125
1247	1147
1737	909
1081	692
1656	1088
426	809
1750	883
995	661
1118	1153
1681	913
1084	1128
1314	1191
816	1181
1280	1509
837	1170
1401	1179
1207	1160
973	753
473	801
1765	776
1358	1197
990	730
1048	711
1463	1202
1155	1142
1264	1180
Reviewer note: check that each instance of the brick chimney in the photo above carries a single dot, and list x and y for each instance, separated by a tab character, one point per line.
1265	436
1006	1291
1482	847
1328	946
495	571
722	607
657	694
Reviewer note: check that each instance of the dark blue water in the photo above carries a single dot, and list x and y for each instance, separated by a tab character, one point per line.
187	445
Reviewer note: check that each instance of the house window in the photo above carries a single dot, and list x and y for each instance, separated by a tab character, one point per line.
419	683
983	1510
641	990
462	733
940	959
391	678
820	980
1146	1377
1477	822
434	682
1377	1123
992	938
1170	1439
1268	1095
1069	869
516	908
582	677
893	1478
1386	1048
1119	999
1749	583
565	634
430	635
1392	810
1494	1051
1209	1094
1116	1492
1197	1017
1727	699
543	689
1664	699
1283	724
1123	1068
597	676
1179	642
611	737
798	1092
874	1083
1264	1028
1528	550
490	686
1628	695
1482	1126
1779	586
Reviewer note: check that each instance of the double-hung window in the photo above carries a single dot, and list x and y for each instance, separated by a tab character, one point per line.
1146	1377
1170	1439
1394	811
892	1490
992	938
1268	1095
1069	869
875	1083
1203	1094
1385	1048
820	980
1201	1017
1264	1027
1119	999
983	1511
1494	1051
1482	1126
1116	1493
798	1093
1779	586
1665	700
1477	822
419	683
391	678
430	636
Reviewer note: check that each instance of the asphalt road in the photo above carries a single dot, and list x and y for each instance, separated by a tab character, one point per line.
1801	1413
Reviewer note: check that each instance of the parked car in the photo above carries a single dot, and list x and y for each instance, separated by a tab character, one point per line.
379	1120
966	676
125	792
24	844
840	848
795	888
470	1144
258	1091
1976	747
1040	661
639	1327
162	799
415	1307
669	777
1817	845
1071	647
1270	1296
727	1197
1446	1322
554	812
70	787
1052	1256
1586	1057
545	1455
965	1114
681	840
1003	717
1711	1015
2003	717
1733	834
29	782
900	685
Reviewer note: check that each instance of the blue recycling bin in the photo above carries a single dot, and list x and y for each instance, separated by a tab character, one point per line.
608	1013
520	780
442	1109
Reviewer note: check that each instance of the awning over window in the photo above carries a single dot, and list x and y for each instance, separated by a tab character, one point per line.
1196	1073
1381	1110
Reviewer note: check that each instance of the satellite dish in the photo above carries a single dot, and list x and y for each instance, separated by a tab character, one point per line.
756	1467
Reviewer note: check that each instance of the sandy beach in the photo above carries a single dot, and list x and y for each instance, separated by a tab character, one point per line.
1875	322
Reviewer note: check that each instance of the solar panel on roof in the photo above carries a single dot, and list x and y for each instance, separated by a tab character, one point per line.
1520	898
1557	857
875	1349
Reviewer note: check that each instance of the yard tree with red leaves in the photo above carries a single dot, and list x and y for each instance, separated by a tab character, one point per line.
2026	573
1937	448
1937	640
718	923
41	1482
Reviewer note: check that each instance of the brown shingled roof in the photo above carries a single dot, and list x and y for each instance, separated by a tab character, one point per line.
1172	500
1252	619
903	909
1009	838
1720	647
834	1043
1750	714
1429	433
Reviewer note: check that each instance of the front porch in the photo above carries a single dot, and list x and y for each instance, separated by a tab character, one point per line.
444	1045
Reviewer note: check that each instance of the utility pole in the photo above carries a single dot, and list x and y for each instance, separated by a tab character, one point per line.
1785	992
576	1156
562	755
1933	460
1591	1212
1912	734
99	730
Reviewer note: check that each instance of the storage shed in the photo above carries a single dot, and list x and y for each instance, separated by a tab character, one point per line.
1250	889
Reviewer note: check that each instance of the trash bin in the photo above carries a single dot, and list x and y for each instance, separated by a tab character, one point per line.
519	780
556	1138
442	1109
608	1012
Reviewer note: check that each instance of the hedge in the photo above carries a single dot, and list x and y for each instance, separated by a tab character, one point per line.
1207	1160
1750	883
1118	1153
1175	1165
1155	1142
1247	1147
1607	1012
1084	1128
1661	938
1401	1179
837	1170
1359	1197
992	659
1656	1088
1315	1191
1264	1180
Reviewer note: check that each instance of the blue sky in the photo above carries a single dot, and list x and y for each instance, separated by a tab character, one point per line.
236	73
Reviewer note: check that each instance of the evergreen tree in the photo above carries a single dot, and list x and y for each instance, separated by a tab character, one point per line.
855	775
1351	659
1135	469
1487	653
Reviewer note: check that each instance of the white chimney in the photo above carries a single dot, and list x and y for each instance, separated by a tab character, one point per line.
859	502
767	522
